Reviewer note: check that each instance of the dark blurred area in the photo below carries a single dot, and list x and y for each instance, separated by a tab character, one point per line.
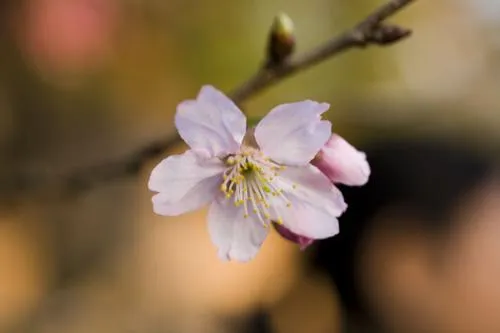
83	82
415	248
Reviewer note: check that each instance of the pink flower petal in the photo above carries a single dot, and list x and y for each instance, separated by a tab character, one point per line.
237	238
212	122
292	134
186	182
342	163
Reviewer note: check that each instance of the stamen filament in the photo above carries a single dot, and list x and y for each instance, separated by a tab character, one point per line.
251	179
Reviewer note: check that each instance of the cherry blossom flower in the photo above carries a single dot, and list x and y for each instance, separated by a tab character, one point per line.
252	178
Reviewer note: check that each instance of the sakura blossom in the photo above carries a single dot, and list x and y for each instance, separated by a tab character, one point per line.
250	178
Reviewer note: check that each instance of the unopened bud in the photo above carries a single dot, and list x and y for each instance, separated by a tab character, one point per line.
302	241
281	42
388	34
342	163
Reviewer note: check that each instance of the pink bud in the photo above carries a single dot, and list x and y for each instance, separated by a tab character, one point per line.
302	241
342	163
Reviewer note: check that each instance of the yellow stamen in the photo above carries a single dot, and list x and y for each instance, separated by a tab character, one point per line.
251	181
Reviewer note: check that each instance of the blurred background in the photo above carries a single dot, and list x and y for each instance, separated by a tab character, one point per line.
83	82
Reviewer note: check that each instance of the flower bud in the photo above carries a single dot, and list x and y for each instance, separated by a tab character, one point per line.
302	241
388	34
281	42
342	163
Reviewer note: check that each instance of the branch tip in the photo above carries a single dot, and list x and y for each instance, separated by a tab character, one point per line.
385	34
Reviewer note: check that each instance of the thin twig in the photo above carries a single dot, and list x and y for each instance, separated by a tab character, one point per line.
371	31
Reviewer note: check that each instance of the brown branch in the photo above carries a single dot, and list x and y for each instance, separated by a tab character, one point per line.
371	31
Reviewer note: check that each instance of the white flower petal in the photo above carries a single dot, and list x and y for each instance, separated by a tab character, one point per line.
312	186
237	238
309	221
234	120
292	134
211	122
185	182
315	203
200	195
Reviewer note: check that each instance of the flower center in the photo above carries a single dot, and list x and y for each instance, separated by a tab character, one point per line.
251	181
